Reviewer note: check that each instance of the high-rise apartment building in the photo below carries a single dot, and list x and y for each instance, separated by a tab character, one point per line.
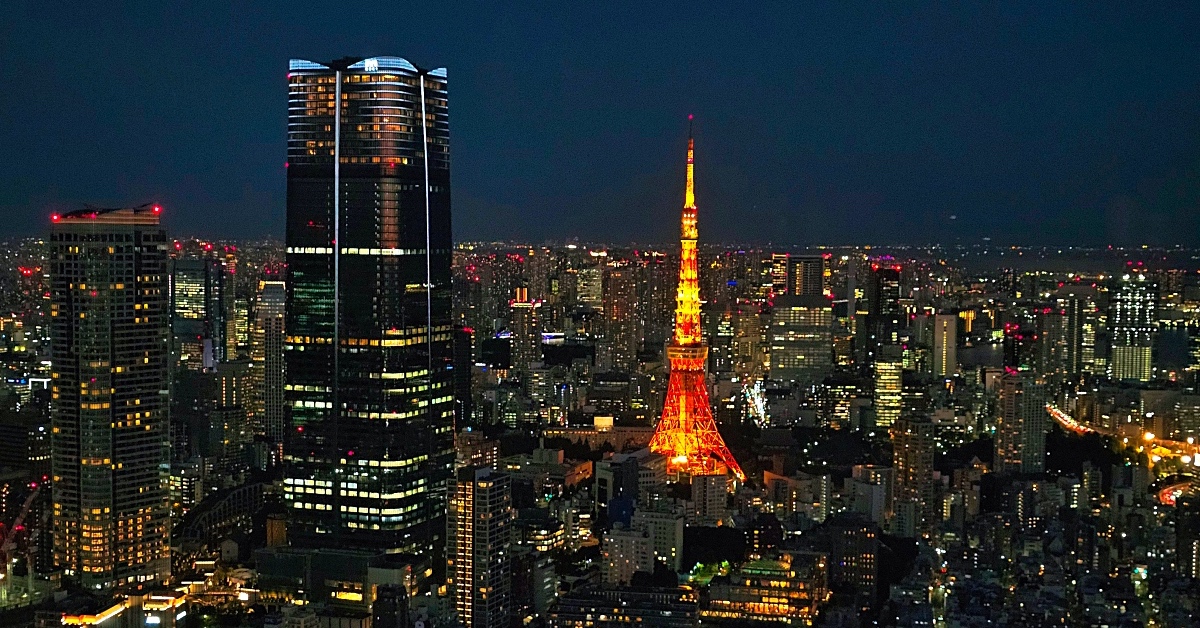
806	275
1023	422
589	289
710	497
1132	321
657	299
267	353
526	336
622	325
777	273
110	347
852	544
479	548
913	446
1187	533
369	449
231	419
801	337
945	345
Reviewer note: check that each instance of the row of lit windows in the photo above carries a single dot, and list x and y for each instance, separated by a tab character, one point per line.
310	506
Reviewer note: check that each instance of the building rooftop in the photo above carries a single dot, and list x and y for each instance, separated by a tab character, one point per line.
147	213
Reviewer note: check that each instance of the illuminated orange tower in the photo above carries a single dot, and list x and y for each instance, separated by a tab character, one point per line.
687	434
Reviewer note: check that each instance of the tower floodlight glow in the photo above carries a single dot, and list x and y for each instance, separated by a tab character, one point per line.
687	434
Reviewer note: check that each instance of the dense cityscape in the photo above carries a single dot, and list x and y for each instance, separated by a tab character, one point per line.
371	424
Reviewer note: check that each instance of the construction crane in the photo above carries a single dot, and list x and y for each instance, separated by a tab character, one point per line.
9	545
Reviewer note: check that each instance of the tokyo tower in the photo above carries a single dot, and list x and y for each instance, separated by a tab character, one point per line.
687	434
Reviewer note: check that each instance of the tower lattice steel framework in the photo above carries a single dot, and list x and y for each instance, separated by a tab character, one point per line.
687	434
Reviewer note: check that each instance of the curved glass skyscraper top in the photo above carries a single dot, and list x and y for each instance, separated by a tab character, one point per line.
369	446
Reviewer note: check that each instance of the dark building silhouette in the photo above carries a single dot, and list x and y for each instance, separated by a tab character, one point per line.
369	450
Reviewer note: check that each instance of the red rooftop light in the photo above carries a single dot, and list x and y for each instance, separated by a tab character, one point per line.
156	209
55	218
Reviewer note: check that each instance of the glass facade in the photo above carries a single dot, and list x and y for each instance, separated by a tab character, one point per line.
801	339
369	447
201	300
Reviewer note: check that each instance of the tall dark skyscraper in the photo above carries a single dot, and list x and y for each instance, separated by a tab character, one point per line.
109	445
369	451
884	317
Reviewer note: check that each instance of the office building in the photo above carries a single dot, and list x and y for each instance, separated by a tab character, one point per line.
1132	321
889	390
473	449
110	346
869	490
201	294
789	590
479	548
801	337
592	607
616	479
803	495
884	318
369	449
851	544
390	608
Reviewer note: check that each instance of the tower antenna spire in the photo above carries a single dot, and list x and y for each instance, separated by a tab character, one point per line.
687	434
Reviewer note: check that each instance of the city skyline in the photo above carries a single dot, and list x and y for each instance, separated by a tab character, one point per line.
799	373
1024	125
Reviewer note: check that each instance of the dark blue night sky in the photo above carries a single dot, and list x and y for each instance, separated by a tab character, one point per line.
830	123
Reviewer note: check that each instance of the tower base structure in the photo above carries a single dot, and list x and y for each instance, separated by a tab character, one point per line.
687	434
